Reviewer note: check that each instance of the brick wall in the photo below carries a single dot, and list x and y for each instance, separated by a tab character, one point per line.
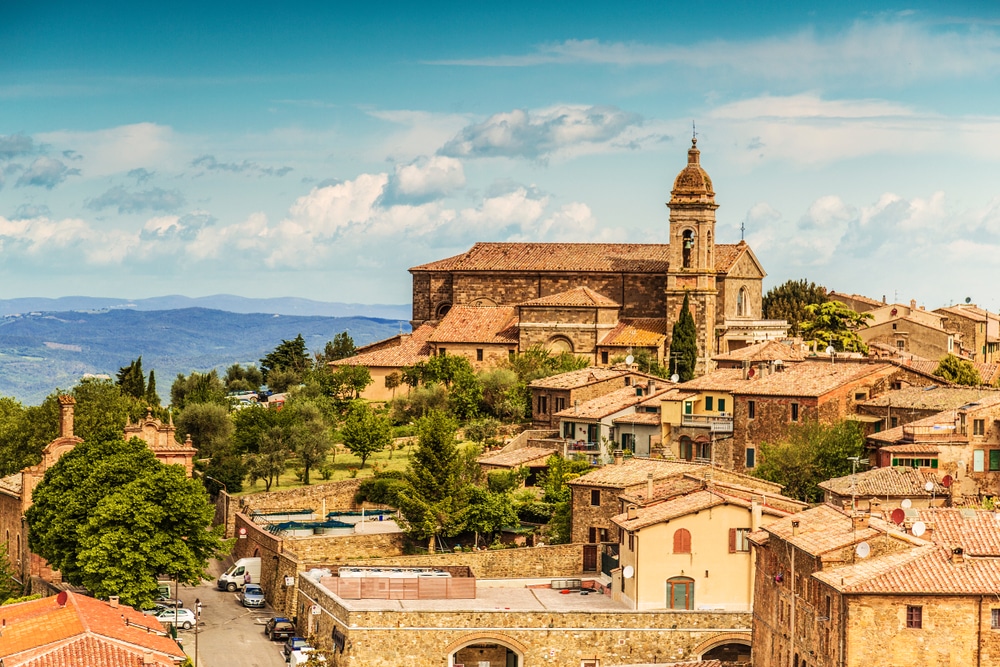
559	639
557	560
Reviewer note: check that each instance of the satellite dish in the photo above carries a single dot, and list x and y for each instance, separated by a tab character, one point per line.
629	359
675	378
897	516
929	486
830	349
906	504
968	299
919	528
946	481
62	598
863	550
628	572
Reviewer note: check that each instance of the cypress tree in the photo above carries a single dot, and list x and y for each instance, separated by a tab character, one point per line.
684	343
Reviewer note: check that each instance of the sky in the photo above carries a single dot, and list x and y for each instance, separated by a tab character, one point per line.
319	150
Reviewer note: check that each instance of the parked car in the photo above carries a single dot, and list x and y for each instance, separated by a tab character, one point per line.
279	627
183	618
155	609
252	596
293	644
302	656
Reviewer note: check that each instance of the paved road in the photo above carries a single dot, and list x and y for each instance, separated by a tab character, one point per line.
229	635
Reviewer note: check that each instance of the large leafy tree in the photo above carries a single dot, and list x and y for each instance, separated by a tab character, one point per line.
111	518
243	378
198	388
208	424
366	431
684	343
834	324
341	347
289	355
788	301
269	462
310	436
810	453
434	503
553	480
489	511
131	379
959	371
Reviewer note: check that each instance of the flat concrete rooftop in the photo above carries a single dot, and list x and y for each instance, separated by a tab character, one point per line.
493	595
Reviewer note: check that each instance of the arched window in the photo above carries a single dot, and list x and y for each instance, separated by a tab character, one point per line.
442	309
680	593
742	303
682	541
687	245
560	344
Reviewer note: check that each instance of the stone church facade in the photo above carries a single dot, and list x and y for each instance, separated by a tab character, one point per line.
629	286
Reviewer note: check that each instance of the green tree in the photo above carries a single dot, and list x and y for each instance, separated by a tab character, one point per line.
434	503
810	453
198	388
483	431
392	381
243	378
503	394
131	379
152	398
959	371
788	302
489	512
345	383
111	518
684	343
251	424
833	323
269	461
646	361
310	436
465	394
208	424
289	355
366	431
556	491
341	347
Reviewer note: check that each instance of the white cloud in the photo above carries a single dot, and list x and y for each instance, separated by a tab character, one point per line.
119	149
421	133
894	51
435	176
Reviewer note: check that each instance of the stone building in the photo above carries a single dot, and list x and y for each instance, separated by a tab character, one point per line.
835	589
886	488
556	393
162	441
979	330
571	295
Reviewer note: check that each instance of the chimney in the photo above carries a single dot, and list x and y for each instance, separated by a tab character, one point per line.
619	457
913	304
756	515
631	512
113	602
957	555
649	486
651	387
66	404
795	527
859	521
147	659
875	507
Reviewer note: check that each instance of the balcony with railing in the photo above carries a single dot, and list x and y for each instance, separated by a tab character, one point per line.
715	424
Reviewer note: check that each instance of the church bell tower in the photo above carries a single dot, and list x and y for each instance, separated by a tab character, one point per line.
692	254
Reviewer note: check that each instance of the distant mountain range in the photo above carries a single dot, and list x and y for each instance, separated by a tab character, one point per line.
226	302
41	349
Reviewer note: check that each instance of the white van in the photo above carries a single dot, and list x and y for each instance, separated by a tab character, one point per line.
236	576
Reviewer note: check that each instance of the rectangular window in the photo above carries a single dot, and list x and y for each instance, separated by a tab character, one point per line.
569	430
595	497
628	380
604	357
560	403
995	619
543	405
510	354
442	351
751	409
900	344
709	403
860	396
631	541
893	422
994	460
722	405
751	456
479	354
978	427
738	540
688	407
795	412
914	617
978	461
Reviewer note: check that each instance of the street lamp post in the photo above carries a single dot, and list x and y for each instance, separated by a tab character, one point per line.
197	621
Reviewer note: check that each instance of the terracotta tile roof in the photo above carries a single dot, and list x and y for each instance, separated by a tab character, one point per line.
932	397
578	296
682	506
407	350
477	324
608	404
634	471
637	332
912	448
518	457
580	257
977	531
672	395
580	378
765	351
89	651
921	570
643	418
988	373
889	481
824	529
968	312
12	483
810	379
857	297
665	488
44	623
725	379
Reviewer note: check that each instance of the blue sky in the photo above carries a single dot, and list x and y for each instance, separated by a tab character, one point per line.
321	149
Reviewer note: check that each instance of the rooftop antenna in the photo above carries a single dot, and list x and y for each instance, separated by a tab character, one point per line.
743	228
694	132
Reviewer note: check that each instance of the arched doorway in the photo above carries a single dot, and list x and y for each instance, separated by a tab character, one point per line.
493	649
728	652
560	344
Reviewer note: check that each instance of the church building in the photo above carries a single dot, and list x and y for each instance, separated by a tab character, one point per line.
595	300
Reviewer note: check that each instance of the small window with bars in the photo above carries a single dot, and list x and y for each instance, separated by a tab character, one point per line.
914	617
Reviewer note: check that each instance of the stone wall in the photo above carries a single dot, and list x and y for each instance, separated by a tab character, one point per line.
336	549
338	495
558	639
557	560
